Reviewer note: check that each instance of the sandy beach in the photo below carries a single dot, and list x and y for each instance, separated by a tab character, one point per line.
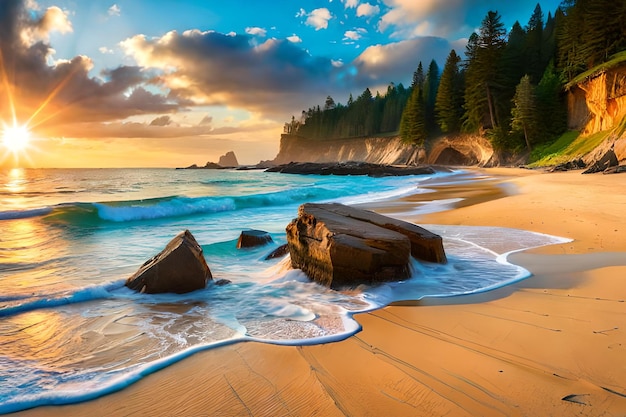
551	345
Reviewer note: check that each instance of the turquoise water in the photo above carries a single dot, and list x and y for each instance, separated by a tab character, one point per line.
70	329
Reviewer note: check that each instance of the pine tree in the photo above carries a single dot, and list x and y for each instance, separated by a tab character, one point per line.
483	78
532	47
431	85
413	122
524	110
448	107
551	109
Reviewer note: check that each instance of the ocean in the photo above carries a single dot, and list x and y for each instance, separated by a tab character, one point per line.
71	331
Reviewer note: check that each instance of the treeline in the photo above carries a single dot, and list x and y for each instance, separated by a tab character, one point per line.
364	116
510	85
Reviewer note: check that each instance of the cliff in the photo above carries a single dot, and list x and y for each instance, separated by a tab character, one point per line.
388	150
448	150
596	103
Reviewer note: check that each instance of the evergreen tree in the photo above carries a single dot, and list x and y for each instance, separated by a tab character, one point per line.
524	110
483	78
548	42
329	104
431	85
551	109
413	121
532	47
418	76
448	103
511	68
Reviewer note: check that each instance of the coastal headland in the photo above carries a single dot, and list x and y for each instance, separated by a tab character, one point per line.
552	344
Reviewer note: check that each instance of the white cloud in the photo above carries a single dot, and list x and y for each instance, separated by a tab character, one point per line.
350	4
114	10
396	61
367	10
301	13
337	63
53	20
105	50
410	18
319	18
256	31
294	38
352	35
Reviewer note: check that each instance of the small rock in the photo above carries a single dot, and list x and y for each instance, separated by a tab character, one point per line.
279	252
253	238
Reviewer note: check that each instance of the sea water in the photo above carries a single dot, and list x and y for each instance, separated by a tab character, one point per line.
71	331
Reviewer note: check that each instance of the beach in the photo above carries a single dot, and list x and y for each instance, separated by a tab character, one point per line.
553	344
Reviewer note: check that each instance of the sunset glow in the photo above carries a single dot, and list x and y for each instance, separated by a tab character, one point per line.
104	84
15	138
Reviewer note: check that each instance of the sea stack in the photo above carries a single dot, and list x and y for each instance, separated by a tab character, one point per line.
228	160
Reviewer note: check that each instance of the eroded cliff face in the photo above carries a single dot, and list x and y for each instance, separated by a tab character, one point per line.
598	103
373	150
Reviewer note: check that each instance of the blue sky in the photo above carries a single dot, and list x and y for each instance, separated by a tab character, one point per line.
170	83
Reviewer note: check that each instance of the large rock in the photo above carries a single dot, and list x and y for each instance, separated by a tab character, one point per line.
179	268
339	246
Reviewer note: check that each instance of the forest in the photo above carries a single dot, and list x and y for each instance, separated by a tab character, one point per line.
509	86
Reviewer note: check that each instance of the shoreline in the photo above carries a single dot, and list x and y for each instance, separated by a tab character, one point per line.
552	344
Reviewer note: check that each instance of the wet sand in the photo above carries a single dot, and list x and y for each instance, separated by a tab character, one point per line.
554	344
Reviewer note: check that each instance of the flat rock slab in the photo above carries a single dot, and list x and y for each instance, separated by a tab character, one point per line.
341	246
351	168
179	268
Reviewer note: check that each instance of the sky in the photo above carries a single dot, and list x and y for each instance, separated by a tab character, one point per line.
163	83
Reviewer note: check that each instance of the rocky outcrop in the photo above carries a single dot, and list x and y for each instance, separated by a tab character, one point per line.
229	160
341	246
598	103
389	150
462	150
253	238
351	168
179	268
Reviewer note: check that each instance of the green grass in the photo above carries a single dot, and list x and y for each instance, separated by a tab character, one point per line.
569	146
553	149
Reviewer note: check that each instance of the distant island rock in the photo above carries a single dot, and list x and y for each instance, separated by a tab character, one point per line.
353	168
226	161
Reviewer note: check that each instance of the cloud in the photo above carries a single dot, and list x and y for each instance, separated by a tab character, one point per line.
206	120
352	35
350	4
450	18
294	38
53	20
105	50
114	10
210	68
256	31
63	92
381	64
319	18
161	121
367	10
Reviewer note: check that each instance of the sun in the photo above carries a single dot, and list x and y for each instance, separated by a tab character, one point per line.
16	138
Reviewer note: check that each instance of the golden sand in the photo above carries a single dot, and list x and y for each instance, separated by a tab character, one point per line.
551	345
